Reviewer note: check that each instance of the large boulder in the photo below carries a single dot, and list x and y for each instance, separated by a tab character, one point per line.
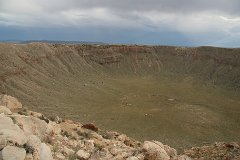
11	131
155	151
45	152
5	110
10	102
13	153
32	126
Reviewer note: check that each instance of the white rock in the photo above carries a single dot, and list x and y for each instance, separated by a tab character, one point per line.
122	151
103	154
183	157
118	157
5	110
35	144
10	102
66	151
96	136
29	157
45	152
132	158
3	141
81	154
81	144
155	151
65	138
53	128
60	155
122	137
11	131
36	114
115	150
172	153
89	145
57	119
19	153
140	156
5	121
73	143
32	126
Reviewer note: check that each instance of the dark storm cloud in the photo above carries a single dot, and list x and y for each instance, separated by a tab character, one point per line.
174	6
212	20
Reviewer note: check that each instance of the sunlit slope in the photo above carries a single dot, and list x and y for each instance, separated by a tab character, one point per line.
181	96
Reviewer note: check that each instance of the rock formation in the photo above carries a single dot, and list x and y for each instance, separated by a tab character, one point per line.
28	135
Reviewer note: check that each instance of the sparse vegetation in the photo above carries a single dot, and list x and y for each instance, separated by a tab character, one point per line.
65	133
84	134
105	134
72	157
28	149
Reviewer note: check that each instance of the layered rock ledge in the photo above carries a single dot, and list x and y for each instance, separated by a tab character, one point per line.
28	135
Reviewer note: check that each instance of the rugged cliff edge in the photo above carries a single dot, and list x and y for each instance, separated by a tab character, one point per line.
27	135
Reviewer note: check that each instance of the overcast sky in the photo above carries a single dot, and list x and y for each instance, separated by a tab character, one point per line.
164	22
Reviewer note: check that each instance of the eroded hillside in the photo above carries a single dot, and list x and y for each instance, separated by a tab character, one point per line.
180	96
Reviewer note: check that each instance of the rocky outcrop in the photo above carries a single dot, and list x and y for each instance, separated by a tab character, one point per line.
10	102
27	135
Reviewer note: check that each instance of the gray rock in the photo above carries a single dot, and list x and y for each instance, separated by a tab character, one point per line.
10	102
5	110
19	153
